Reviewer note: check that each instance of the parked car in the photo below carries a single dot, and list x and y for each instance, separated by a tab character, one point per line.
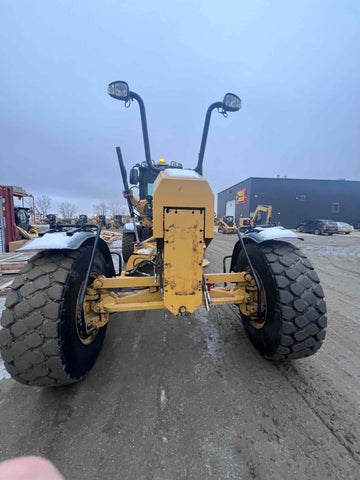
318	227
344	227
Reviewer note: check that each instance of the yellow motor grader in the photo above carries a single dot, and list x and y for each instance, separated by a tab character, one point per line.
59	306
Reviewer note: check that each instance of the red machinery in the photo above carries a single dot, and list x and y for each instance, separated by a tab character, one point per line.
8	229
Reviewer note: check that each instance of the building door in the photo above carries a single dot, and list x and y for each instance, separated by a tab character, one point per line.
2	233
230	208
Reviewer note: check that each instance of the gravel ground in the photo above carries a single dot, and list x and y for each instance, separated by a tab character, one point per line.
175	398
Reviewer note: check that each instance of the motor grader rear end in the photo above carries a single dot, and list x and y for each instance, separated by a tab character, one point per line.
59	307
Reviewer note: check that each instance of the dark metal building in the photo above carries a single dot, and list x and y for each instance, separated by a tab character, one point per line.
293	200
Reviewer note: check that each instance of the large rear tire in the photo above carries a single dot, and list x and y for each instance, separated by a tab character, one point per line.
128	242
294	322
41	341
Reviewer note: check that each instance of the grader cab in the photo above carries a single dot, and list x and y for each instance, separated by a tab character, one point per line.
59	307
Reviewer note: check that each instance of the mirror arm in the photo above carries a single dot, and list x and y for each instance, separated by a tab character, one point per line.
199	165
137	97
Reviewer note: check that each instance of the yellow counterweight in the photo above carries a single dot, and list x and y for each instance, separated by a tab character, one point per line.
183	217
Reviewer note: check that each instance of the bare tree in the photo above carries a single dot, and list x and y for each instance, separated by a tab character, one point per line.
67	211
43	205
117	209
101	208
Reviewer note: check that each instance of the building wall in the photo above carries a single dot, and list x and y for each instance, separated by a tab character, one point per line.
241	209
295	200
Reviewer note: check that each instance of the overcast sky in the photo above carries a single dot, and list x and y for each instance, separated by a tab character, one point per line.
295	65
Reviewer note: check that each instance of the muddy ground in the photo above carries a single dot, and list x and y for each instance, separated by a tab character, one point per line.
174	398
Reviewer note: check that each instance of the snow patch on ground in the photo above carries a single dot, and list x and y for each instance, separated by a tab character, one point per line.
339	251
163	398
214	343
3	371
135	346
221	453
2	305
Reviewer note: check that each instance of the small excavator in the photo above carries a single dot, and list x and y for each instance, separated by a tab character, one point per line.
261	217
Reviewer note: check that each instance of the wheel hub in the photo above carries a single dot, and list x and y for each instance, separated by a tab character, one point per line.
86	337
250	309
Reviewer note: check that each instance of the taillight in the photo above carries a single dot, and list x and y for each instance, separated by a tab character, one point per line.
324	227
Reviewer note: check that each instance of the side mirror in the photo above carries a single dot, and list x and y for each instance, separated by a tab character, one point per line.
231	103
134	176
119	90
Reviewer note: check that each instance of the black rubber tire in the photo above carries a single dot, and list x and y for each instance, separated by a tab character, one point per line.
317	231
128	242
39	341
347	233
295	322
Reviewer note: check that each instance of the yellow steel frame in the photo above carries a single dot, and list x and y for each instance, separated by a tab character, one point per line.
107	295
183	225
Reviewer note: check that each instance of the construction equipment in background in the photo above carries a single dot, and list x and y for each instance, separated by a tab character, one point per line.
115	222
103	222
83	219
25	215
260	218
22	218
118	221
24	234
58	310
14	219
226	224
51	219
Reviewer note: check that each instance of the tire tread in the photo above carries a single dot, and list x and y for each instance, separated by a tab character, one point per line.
29	338
304	328
297	322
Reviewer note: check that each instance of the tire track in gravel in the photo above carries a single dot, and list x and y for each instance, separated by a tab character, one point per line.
335	412
332	408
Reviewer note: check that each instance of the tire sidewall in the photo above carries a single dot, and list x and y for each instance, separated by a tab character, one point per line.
267	338
128	242
77	357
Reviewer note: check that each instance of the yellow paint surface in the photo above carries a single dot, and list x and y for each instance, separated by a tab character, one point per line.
183	254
